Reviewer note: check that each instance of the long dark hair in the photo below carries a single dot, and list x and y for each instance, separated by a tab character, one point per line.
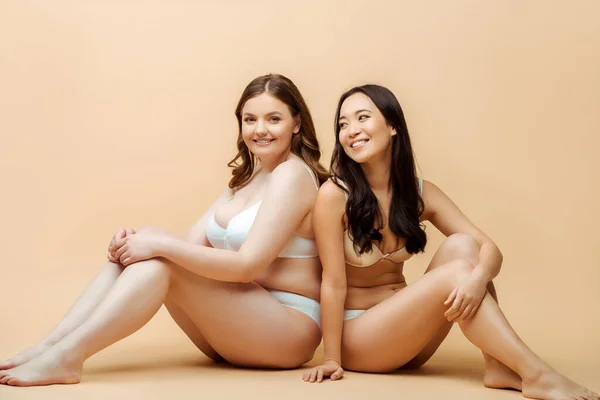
362	208
304	143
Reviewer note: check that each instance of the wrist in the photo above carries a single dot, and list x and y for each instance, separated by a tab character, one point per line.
480	274
332	360
164	247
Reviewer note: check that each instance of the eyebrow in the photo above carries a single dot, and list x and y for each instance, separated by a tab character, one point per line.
271	113
356	112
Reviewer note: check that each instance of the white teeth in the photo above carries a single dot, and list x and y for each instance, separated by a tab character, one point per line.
263	141
359	143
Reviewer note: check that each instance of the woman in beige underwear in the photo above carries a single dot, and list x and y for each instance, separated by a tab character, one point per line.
368	222
249	264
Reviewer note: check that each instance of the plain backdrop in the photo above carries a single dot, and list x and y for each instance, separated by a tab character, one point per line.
121	113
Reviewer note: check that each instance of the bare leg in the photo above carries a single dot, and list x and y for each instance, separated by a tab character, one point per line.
85	305
492	333
191	330
393	332
245	324
133	299
273	335
496	375
79	312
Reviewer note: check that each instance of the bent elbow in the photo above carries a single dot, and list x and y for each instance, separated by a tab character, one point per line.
499	253
247	272
245	278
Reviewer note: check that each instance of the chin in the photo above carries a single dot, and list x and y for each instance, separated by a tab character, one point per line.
269	153
359	158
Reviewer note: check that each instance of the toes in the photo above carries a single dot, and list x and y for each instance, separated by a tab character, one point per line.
14	382
589	395
6	365
5	379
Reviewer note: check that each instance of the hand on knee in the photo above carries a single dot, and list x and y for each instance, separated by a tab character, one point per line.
464	300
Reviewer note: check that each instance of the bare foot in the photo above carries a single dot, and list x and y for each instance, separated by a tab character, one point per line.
499	376
24	356
550	385
48	368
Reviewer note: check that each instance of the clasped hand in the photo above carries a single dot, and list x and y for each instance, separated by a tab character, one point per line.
129	245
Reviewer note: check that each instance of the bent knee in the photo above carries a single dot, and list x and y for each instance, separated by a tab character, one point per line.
456	270
463	246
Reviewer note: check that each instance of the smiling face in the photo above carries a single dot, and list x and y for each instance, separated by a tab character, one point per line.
363	131
268	126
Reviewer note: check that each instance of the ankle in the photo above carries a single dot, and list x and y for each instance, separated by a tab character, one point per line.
533	373
66	355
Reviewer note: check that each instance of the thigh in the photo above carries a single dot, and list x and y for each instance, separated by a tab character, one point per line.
455	247
243	323
191	330
396	330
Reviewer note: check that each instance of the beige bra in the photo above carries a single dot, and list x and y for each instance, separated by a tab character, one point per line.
375	255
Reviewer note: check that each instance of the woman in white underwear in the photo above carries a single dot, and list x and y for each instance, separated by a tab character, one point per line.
368	222
243	285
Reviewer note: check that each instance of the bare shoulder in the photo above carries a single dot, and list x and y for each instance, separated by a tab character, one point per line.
291	181
331	199
432	195
429	188
292	170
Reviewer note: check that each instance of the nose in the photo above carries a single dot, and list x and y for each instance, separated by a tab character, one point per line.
353	129
261	128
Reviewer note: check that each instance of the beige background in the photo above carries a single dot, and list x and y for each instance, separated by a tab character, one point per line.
121	113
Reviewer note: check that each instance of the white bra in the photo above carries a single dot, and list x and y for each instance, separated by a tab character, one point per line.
234	234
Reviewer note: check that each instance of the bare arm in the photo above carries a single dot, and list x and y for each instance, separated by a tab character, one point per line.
196	233
288	198
448	218
329	232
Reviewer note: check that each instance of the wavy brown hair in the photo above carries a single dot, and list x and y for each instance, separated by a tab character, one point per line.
304	143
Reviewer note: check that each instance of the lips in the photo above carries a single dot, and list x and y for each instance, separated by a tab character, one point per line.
358	143
263	142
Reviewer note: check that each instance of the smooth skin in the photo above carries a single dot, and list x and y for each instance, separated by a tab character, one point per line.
212	294
405	324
